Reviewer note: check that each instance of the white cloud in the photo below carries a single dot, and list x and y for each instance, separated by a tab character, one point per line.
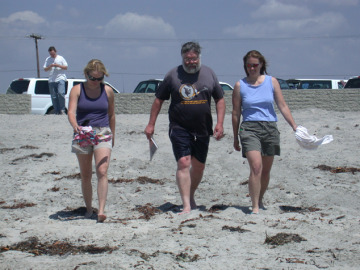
324	24
276	9
135	25
25	17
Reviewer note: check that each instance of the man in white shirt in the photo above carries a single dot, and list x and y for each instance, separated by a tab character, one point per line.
56	64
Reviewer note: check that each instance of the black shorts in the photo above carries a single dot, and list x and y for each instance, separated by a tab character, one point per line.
186	144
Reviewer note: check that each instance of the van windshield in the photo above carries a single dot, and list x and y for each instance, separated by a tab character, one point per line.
18	87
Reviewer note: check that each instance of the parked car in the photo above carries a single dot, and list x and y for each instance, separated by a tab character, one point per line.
315	83
38	88
226	87
283	84
150	86
353	82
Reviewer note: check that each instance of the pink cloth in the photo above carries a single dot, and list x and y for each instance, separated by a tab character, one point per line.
87	136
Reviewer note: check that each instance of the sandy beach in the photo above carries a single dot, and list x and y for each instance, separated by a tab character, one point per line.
312	218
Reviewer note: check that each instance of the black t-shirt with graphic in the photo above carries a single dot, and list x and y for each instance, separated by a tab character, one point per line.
190	106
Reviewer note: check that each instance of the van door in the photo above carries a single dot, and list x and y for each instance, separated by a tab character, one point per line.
69	84
41	100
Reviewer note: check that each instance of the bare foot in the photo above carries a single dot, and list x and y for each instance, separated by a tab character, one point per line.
184	212
101	218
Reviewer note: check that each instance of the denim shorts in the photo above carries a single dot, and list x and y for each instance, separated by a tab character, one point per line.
77	149
186	144
260	136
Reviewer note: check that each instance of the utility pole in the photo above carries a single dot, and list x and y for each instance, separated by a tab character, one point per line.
36	37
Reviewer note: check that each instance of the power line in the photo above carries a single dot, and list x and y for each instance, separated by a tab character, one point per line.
129	39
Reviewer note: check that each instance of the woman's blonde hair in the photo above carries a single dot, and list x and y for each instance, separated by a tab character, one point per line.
95	65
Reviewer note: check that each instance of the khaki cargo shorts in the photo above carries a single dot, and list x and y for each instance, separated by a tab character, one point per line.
260	136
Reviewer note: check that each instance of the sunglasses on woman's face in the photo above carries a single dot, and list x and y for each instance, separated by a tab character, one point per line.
91	78
252	65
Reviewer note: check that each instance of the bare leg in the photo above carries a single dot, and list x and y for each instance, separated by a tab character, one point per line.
267	162
102	159
85	163
188	177
196	174
183	181
255	162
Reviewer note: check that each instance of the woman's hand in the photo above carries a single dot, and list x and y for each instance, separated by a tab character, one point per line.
237	144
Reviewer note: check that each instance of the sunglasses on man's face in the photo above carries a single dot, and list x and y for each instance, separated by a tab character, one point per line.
91	78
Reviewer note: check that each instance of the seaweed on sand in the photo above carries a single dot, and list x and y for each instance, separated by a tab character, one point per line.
34	246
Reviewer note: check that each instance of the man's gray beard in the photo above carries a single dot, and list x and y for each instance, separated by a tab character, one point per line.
192	70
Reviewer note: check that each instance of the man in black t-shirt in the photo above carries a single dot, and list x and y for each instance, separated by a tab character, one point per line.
190	87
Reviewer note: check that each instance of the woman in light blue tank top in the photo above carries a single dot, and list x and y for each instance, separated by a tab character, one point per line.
253	99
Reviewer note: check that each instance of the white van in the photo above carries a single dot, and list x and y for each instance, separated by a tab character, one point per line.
38	88
316	83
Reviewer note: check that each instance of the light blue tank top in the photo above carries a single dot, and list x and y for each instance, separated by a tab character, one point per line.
258	101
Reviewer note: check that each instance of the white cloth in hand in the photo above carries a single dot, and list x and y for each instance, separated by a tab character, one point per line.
310	142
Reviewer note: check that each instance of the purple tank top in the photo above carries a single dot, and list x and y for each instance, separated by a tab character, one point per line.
92	112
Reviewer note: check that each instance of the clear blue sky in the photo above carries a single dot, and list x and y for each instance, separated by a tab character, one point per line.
139	40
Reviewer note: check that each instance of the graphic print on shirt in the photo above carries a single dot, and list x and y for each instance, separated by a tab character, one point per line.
188	91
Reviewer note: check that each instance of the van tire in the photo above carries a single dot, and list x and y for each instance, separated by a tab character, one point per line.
50	111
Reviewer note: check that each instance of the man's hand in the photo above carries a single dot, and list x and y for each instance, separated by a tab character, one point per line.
149	131
218	131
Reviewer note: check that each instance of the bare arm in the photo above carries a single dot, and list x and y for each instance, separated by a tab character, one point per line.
48	68
283	107
60	66
155	109
220	112
73	101
236	115
55	65
111	111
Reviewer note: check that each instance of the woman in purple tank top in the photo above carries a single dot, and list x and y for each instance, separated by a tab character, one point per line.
253	99
91	113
